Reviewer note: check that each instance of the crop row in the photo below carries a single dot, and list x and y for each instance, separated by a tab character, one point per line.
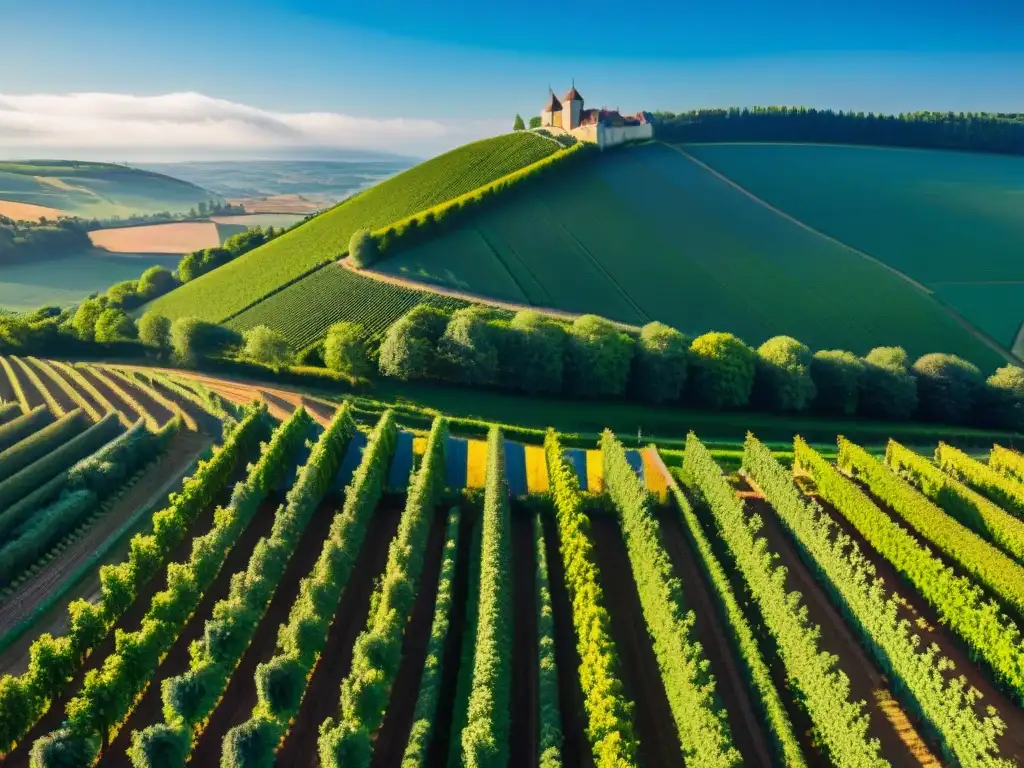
110	693
25	698
23	425
124	396
190	698
700	720
840	724
969	507
70	392
83	383
19	391
40	443
467	649
1001	488
281	682
36	382
960	604
155	394
1009	463
425	714
550	742
377	653
608	710
976	556
873	611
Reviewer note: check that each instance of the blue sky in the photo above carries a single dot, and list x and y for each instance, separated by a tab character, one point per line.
437	74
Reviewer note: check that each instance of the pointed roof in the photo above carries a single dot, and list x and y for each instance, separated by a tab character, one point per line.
573	95
553	105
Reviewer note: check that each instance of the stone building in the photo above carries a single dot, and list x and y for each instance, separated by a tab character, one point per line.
605	127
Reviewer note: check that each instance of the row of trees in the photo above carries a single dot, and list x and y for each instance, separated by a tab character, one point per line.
22	241
986	132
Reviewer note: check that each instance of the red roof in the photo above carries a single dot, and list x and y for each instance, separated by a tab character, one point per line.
573	95
553	105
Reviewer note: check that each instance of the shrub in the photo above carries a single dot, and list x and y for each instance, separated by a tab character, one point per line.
345	351
267	346
533	353
409	350
948	388
193	339
362	249
155	331
1002	402
156	281
836	374
659	368
598	358
722	371
467	350
85	318
114	325
783	375
888	390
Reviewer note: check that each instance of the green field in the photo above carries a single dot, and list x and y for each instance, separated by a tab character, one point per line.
97	190
647	234
234	287
950	220
66	281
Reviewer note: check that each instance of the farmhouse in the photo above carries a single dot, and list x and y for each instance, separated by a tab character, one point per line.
605	127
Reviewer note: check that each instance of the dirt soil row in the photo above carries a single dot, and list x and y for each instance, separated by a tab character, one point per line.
525	649
58	394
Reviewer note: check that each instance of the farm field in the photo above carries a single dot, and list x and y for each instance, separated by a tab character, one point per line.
175	238
648	234
502	612
28	211
231	289
248	220
66	281
97	190
950	220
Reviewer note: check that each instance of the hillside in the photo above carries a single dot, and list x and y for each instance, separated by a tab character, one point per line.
234	287
648	234
94	190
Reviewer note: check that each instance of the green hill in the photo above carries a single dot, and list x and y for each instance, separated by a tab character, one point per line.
234	287
97	190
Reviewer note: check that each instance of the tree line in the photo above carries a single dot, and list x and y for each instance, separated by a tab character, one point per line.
22	241
976	131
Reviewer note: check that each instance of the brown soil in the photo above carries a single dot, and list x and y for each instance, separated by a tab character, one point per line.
902	743
926	623
32	394
525	745
641	676
71	383
240	696
284	203
207	423
108	393
147	492
149	709
58	394
173	238
322	697
154	408
393	735
575	747
6	390
746	727
29	211
130	621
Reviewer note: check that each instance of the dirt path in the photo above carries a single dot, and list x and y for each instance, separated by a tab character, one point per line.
148	492
149	709
394	731
240	695
575	747
525	650
322	697
641	676
902	743
746	727
925	622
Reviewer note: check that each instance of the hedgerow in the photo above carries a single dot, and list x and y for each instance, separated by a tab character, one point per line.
377	654
25	698
82	382
1002	489
485	737
960	604
685	671
110	693
40	443
281	682
609	712
190	698
67	389
425	714
18	429
970	508
872	609
549	713
977	557
170	405
36	382
1007	462
19	392
125	396
840	725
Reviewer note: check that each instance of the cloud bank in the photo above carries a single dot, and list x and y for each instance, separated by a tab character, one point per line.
196	126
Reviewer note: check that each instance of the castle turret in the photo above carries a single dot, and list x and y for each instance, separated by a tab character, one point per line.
552	112
572	109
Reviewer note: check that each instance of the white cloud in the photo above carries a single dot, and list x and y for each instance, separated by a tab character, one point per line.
186	124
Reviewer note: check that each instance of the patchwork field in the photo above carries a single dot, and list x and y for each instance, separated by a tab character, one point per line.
248	220
648	234
179	237
99	190
28	211
234	287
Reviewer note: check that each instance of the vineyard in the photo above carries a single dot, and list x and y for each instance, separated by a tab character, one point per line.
326	586
238	285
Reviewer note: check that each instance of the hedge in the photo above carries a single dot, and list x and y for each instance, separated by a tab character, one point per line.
19	428
1002	489
34	379
73	394
549	712
1007	462
40	443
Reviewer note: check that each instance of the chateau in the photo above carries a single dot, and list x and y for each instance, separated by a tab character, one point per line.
604	127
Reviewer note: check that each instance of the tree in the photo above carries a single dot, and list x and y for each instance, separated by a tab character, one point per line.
345	350
362	249
123	294
722	370
535	122
1002	401
467	350
598	358
948	388
518	124
190	267
888	390
86	315
155	331
659	368
409	349
532	357
156	281
836	374
193	339
265	345
114	325
783	377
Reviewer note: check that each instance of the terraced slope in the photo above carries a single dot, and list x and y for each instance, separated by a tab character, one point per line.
234	287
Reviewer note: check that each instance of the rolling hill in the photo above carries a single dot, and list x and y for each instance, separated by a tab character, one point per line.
94	190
